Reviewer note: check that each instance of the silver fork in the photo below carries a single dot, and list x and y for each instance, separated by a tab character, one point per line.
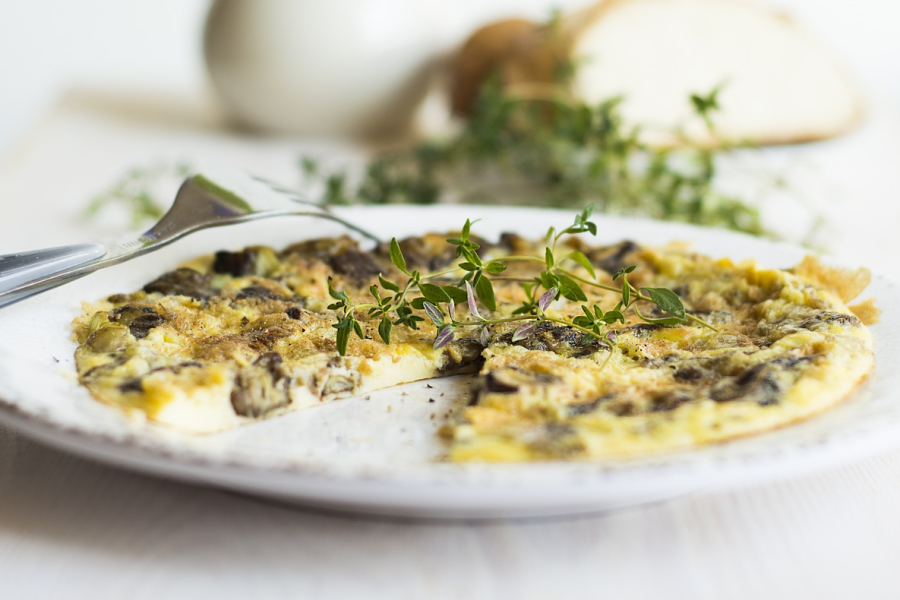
202	201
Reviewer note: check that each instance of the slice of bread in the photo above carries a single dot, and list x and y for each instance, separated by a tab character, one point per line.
777	84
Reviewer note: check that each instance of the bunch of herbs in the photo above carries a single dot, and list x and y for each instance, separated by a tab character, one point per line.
550	151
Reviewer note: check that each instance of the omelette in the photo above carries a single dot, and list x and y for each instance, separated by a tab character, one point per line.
231	338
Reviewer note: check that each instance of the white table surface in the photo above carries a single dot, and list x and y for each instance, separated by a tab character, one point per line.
71	528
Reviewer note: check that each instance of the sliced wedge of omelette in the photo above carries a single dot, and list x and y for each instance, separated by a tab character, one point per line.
239	336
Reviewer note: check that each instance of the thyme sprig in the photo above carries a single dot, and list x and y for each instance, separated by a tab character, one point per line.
401	304
550	151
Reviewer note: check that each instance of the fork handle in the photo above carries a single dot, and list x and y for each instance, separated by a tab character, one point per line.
21	269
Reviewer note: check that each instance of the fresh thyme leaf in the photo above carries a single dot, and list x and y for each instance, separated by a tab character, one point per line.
342	295
704	106
527	308
495	267
465	231
433	313
581	224
612	316
548	280
524	330
456	294
624	271
669	302
546	298
388	285
471	255
384	330
582	260
406	317
433	293
343	335
548	258
485	290
397	256
444	337
570	290
660	321
470	299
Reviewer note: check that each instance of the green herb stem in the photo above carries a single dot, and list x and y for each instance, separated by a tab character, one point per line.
580	279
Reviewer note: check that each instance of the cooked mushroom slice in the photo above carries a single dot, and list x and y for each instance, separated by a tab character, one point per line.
584	408
337	384
669	400
763	383
560	339
238	264
691	372
261	387
109	339
139	319
510	379
259	292
321	248
823	319
612	258
462	353
356	265
182	282
295	312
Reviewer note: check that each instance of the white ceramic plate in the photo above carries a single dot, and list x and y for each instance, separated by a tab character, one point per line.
380	454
